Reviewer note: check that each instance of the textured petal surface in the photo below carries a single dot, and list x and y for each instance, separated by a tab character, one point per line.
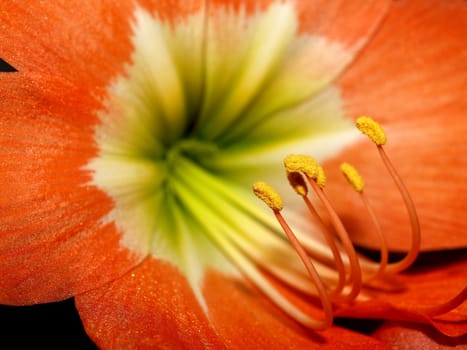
403	336
150	307
412	78
82	41
54	242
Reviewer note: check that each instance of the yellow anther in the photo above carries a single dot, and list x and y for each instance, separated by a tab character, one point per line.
268	195
321	177
352	176
372	129
298	183
295	163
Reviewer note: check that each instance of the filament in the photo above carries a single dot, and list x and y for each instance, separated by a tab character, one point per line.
326	304
355	270
412	254
339	264
447	306
384	254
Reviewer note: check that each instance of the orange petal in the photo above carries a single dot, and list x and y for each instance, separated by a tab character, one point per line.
430	284
49	218
150	307
412	78
400	335
153	306
54	241
249	321
83	41
349	22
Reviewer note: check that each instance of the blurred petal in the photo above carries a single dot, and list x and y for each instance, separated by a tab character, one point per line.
412	78
55	242
275	55
150	307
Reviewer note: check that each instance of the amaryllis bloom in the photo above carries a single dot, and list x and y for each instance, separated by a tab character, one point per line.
131	135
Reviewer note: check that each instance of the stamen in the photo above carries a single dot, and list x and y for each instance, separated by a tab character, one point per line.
372	129
376	133
265	192
356	181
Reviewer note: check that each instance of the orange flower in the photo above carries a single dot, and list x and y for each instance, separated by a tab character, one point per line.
131	132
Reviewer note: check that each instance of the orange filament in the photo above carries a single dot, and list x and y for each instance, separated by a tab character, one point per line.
325	302
447	306
273	200
358	184
383	262
299	185
412	254
339	264
355	270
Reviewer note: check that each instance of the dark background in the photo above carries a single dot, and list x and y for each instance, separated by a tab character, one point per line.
46	326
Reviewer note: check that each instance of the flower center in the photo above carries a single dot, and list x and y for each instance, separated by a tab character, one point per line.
197	117
196	151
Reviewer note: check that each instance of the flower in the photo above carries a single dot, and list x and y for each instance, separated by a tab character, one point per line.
132	132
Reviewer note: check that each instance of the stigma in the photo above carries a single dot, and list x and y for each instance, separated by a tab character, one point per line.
337	275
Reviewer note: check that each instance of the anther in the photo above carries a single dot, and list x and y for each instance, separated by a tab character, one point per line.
298	183
372	129
352	176
268	195
299	163
321	177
